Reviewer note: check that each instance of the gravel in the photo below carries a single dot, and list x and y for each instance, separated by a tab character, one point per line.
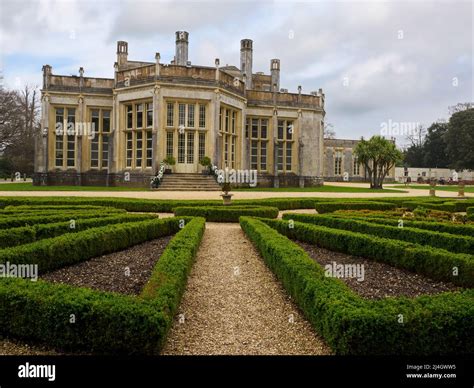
234	305
380	280
125	271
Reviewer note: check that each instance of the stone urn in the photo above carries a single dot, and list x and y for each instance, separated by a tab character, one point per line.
226	197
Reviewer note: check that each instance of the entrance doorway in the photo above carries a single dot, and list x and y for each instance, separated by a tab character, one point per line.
187	161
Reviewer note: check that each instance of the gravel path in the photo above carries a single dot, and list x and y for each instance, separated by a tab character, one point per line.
380	280
233	304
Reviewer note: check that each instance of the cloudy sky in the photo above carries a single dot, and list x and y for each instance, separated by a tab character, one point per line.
378	63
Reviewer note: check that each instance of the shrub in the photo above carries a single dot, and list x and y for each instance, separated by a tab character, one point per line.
28	234
226	213
352	325
433	262
470	213
106	323
446	241
327	207
442	227
14	221
57	252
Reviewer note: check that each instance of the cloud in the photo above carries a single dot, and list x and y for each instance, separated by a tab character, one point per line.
400	58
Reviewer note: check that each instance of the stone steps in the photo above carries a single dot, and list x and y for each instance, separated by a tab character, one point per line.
189	182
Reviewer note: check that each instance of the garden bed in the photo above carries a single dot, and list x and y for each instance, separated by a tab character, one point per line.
125	272
379	280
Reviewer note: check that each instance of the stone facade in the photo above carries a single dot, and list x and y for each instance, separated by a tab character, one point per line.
151	110
340	163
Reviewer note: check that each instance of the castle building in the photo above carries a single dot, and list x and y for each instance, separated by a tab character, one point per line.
152	110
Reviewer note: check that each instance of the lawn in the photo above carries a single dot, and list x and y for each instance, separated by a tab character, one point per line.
29	187
454	188
324	189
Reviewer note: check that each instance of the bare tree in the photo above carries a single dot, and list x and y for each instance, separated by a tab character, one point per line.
329	132
19	119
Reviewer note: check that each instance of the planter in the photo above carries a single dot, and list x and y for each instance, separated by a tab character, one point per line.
168	171
205	172
227	198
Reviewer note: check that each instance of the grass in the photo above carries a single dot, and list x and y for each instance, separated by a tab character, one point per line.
454	188
324	189
29	187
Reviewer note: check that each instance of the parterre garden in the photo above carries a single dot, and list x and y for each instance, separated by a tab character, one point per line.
429	238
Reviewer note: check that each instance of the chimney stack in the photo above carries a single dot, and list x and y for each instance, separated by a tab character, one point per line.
122	53
275	72
181	57
246	53
47	72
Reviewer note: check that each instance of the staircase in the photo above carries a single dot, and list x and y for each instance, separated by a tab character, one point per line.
189	182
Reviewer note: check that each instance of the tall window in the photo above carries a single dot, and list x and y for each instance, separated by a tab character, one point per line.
182	115
169	114
149	148
181	147
356	166
65	138
129	116
284	145
258	128
149	115
139	115
338	163
202	116
190	147
191	115
129	148
99	146
139	150
187	130
169	144
202	145
228	118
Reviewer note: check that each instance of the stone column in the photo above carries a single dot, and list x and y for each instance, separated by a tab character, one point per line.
216	139
276	181
115	139
156	128
79	138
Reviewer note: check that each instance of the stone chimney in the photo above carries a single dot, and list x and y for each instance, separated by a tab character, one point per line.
47	71
182	43
246	53
122	53
275	72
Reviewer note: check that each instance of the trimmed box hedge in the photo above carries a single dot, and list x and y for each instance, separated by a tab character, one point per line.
71	248
105	323
432	325
436	263
328	207
28	234
442	227
166	206
470	213
226	213
450	242
14	221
